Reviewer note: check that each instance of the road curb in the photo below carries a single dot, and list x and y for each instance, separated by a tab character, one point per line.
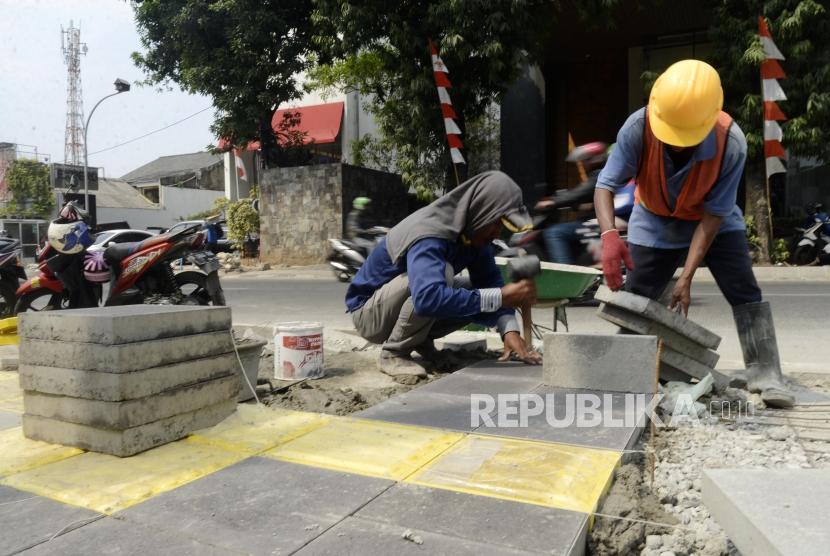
775	274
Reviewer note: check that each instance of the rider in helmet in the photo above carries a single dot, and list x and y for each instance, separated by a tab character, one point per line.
356	224
560	239
69	235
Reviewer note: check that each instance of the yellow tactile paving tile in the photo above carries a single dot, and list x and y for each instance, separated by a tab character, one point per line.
9	385
373	448
547	474
13	404
254	429
107	484
18	453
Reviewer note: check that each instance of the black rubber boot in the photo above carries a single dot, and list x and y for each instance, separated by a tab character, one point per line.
756	333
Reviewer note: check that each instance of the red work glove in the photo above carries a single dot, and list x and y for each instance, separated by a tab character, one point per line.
614	253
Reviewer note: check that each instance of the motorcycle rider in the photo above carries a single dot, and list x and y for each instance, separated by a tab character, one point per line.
560	239
687	156
357	225
69	235
407	293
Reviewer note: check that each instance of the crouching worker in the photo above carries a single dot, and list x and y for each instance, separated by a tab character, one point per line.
408	292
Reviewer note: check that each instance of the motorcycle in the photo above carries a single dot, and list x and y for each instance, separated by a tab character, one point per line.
139	272
11	272
347	256
813	245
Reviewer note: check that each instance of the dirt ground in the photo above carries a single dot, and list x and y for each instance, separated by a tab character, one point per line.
352	382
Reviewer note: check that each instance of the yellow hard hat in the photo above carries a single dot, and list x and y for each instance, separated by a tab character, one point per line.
685	102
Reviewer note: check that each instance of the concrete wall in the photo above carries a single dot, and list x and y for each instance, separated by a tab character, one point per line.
176	204
302	207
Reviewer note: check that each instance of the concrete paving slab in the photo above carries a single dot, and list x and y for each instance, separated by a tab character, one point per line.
18	453
497	523
692	368
510	369
132	413
466	384
543	473
114	536
615	424
125	324
771	511
367	447
609	362
9	419
655	311
124	358
107	484
359	536
641	325
28	520
116	387
129	441
430	409
259	506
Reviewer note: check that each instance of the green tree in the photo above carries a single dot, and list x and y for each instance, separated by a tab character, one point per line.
801	30
32	195
244	54
384	53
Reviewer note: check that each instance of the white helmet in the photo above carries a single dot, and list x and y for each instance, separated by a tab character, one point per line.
68	237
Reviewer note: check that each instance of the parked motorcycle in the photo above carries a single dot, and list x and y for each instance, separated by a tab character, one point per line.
812	246
11	272
138	272
347	256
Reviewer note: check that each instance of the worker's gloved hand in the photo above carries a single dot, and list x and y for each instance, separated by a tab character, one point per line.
519	294
614	254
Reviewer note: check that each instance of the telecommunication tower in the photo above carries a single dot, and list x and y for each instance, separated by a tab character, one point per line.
72	48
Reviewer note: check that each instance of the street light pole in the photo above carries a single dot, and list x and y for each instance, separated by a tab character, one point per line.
121	86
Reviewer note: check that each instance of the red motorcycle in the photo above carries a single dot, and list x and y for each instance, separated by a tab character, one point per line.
139	272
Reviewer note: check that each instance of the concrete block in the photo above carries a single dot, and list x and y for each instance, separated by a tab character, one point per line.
128	442
123	325
613	363
115	387
8	358
655	311
692	368
124	358
132	413
461	345
770	511
642	325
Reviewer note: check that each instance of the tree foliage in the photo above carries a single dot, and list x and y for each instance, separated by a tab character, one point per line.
801	30
383	53
32	195
244	54
243	221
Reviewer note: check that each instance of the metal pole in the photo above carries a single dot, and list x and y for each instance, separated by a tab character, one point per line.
86	156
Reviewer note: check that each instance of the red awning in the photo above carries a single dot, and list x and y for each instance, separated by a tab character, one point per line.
319	122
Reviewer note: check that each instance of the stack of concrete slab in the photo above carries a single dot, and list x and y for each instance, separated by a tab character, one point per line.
121	380
688	348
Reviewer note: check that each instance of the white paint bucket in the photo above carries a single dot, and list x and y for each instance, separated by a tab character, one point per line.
298	350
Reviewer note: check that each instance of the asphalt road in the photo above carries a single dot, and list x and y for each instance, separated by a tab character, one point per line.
801	311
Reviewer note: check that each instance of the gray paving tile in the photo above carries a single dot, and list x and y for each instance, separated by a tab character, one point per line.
364	538
491	385
114	536
771	511
510	370
499	523
258	506
27	520
573	432
9	419
429	409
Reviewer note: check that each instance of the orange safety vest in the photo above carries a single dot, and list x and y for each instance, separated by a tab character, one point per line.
652	191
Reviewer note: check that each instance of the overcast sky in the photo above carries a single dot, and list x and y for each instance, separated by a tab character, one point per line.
33	86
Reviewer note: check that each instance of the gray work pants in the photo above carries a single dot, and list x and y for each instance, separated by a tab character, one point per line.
389	318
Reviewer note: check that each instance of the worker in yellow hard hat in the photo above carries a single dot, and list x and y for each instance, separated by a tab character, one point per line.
687	157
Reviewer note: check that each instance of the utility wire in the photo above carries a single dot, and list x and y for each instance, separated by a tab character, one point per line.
150	133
